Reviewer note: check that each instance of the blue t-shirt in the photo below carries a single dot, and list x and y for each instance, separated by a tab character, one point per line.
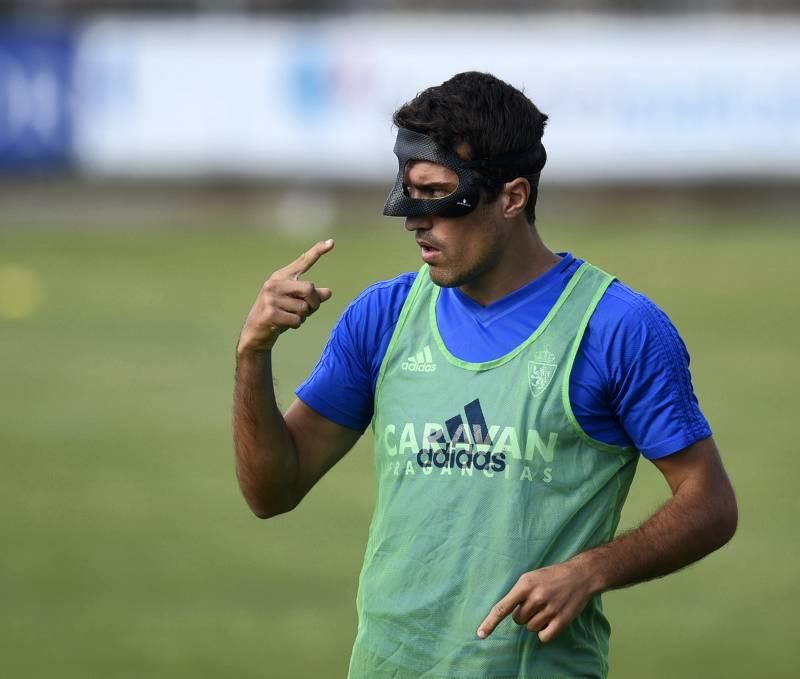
630	383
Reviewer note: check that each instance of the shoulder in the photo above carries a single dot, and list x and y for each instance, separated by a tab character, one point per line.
624	313
618	331
635	345
632	332
381	302
389	293
374	313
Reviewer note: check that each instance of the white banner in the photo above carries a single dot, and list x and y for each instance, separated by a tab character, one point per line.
628	99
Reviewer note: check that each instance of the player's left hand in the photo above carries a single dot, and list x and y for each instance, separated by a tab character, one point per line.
545	600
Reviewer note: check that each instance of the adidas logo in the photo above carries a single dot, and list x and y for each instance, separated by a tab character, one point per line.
463	202
460	451
421	363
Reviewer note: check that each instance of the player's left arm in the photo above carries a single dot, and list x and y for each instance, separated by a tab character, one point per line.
644	366
699	518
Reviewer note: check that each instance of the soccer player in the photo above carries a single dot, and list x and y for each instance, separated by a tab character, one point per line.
511	391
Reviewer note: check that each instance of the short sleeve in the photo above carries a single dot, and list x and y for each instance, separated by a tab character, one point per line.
342	385
649	384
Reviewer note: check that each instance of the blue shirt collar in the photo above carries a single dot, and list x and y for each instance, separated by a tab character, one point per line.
538	286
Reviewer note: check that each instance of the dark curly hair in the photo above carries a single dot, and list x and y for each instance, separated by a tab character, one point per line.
489	115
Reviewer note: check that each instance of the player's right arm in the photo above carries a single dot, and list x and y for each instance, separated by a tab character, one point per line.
279	458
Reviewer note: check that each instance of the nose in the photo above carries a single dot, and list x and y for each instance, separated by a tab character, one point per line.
418	223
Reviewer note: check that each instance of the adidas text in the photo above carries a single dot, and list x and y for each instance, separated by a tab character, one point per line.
422	362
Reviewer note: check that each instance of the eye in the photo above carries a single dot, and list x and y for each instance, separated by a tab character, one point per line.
424	193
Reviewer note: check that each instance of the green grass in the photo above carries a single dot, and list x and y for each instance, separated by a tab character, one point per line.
128	551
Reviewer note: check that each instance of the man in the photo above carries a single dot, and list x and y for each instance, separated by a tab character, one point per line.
510	390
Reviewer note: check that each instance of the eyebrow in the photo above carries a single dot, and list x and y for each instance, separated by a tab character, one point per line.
432	185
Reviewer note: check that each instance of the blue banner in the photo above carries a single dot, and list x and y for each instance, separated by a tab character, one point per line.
36	74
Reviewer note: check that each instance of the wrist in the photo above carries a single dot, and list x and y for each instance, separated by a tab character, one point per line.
246	351
591	570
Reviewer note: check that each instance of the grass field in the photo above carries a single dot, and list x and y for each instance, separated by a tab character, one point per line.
128	552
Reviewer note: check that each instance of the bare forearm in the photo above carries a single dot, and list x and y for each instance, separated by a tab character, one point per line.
686	528
700	517
267	459
266	462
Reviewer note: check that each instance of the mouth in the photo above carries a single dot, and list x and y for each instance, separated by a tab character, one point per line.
429	252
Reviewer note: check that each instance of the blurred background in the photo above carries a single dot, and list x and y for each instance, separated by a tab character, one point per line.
158	160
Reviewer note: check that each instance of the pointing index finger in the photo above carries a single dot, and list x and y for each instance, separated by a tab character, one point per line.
305	261
501	610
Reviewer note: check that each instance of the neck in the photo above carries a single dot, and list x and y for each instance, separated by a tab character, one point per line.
521	261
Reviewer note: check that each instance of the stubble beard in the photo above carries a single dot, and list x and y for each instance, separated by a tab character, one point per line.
449	278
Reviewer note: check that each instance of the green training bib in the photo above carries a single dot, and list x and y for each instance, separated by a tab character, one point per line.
483	473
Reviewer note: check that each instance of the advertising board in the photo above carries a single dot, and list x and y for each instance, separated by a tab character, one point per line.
36	67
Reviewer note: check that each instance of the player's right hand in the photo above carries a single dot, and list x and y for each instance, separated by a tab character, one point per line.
284	302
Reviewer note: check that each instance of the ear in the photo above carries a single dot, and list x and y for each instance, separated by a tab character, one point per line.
515	197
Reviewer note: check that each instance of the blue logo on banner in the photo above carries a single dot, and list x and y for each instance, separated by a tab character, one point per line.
311	79
35	91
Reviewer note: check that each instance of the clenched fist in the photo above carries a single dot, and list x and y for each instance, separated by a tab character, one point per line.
284	302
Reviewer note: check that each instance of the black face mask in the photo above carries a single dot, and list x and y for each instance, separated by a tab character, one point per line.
412	145
416	146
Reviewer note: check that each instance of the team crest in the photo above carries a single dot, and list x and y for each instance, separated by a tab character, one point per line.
541	371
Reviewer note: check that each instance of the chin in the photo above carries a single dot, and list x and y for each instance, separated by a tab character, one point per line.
445	278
